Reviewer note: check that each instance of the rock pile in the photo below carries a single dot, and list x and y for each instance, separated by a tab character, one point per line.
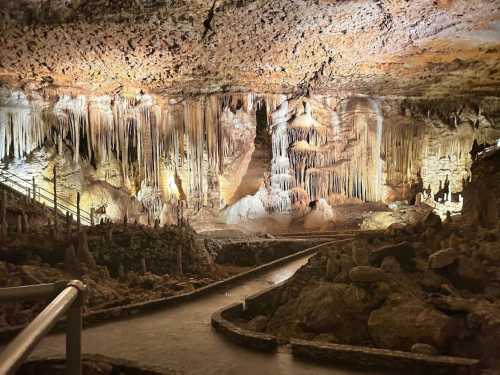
430	288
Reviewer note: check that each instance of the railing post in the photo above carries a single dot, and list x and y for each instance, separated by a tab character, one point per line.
78	212
34	190
4	206
74	332
92	210
55	201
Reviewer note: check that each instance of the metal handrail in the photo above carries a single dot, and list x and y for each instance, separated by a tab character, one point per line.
64	206
27	185
69	301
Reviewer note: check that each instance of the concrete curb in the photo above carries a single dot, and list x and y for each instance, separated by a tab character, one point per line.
365	357
125	311
255	340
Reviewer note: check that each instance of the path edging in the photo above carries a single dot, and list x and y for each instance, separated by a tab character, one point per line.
252	339
365	357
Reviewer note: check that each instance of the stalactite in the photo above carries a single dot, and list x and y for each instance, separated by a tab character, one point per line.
194	123
21	127
72	117
102	139
342	156
214	133
328	147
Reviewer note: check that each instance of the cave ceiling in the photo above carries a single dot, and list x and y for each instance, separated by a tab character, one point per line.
374	47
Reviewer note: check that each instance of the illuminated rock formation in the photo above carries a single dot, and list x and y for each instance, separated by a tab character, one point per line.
140	155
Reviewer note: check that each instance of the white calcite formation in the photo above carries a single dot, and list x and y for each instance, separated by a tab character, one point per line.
21	127
338	158
321	214
279	199
162	150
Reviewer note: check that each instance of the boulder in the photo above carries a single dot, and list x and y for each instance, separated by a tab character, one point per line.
149	280
451	304
400	323
433	222
338	266
403	252
442	258
390	265
490	251
325	307
366	274
470	274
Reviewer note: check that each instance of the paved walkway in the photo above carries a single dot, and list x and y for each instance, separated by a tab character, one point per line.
182	338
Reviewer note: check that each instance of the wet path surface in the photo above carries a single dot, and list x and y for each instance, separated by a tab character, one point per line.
182	338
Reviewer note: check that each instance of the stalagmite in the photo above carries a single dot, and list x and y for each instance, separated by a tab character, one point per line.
19	224
78	211
179	260
54	174
26	223
121	271
68	223
71	263
84	254
4	207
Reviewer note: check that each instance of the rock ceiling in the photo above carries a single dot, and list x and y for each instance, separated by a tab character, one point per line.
377	47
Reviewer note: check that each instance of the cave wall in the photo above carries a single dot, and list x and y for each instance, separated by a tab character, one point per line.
141	155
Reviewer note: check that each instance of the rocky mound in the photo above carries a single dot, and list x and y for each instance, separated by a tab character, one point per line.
430	288
121	264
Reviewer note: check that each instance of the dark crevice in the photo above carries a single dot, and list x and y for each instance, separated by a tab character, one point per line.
207	22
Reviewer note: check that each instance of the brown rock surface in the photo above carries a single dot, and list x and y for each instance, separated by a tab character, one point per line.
442	258
383	47
402	323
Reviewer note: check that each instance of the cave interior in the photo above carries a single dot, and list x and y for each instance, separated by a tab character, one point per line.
154	147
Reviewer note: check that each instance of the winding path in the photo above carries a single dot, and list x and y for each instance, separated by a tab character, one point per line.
182	338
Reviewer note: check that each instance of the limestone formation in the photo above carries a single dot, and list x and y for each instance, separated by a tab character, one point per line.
248	117
360	254
84	255
71	262
442	258
401	324
19	224
26	223
390	265
403	252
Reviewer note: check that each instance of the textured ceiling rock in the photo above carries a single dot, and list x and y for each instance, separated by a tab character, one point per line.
375	47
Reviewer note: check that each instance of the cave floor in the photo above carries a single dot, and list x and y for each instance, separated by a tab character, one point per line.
183	339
